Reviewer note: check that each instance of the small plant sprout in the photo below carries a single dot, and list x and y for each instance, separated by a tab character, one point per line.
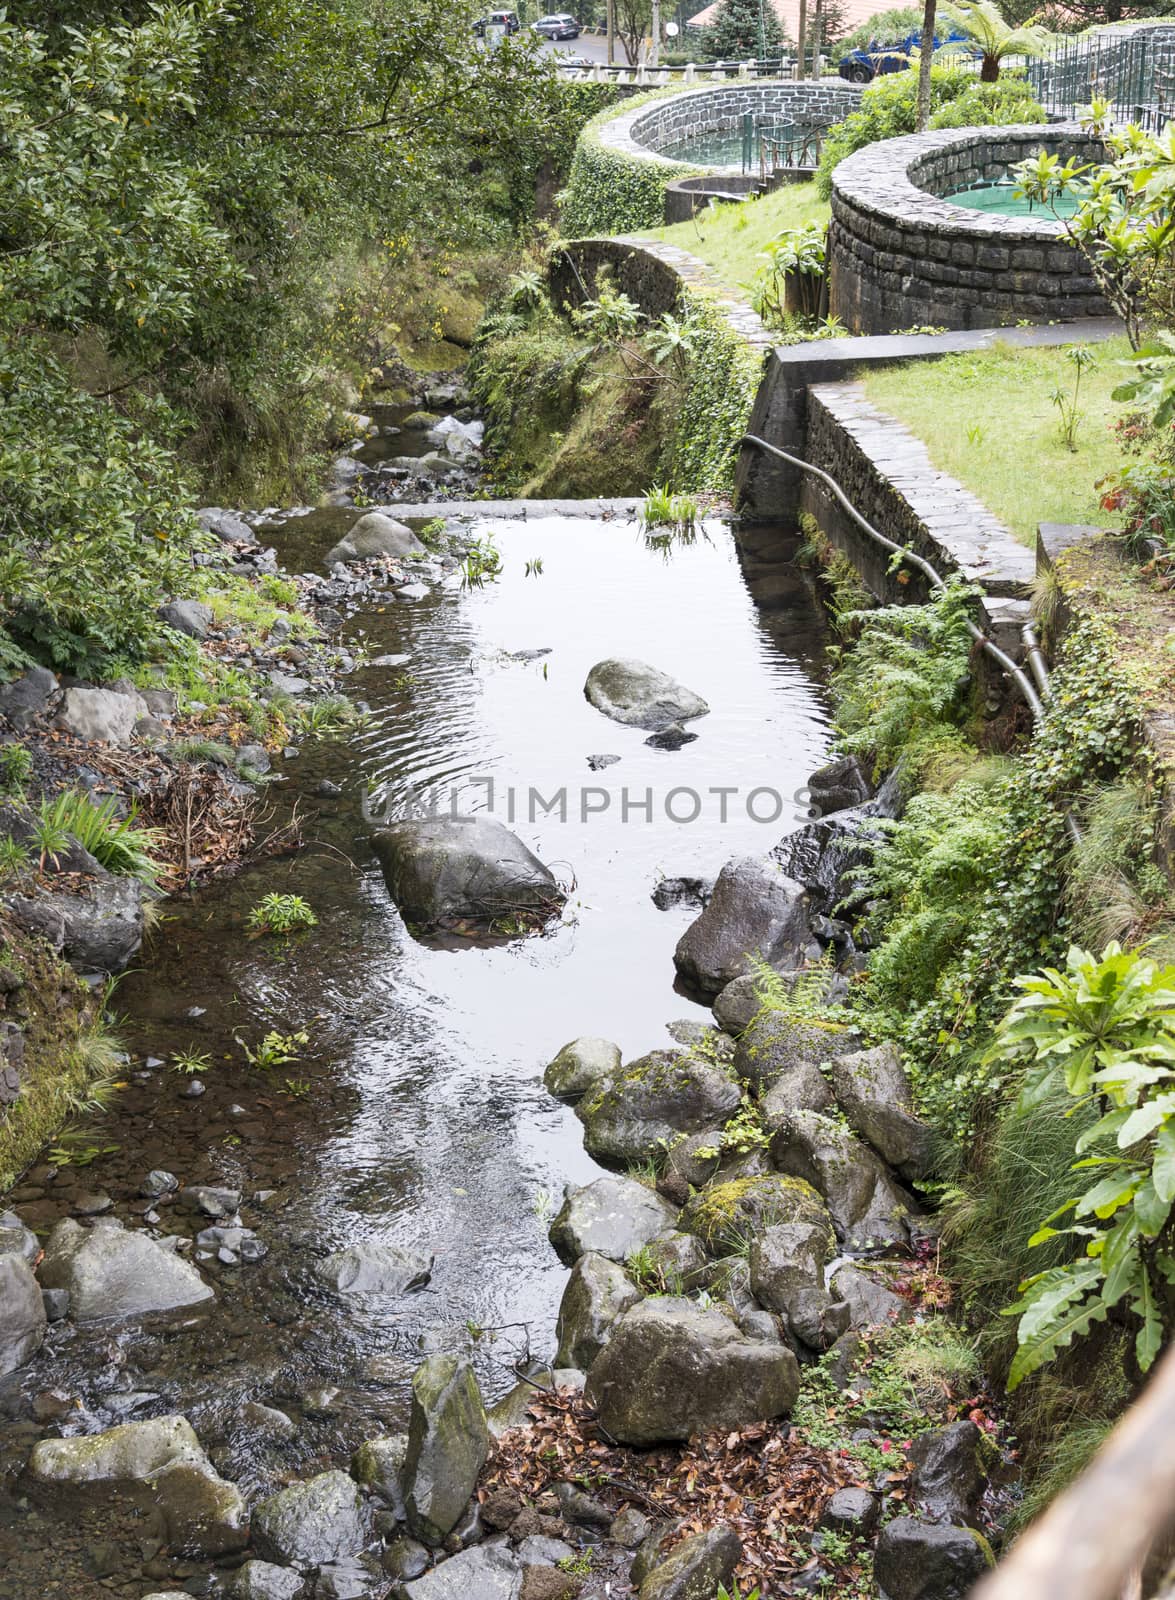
1082	359
281	914
15	858
534	567
191	1062
543	1206
275	1049
482	564
975	435
16	768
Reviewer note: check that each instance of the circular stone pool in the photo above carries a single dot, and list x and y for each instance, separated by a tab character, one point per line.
1001	200
909	247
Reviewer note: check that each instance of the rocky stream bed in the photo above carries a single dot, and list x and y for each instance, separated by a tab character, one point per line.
309	1331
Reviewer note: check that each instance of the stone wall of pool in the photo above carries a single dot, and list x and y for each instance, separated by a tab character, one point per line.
648	129
901	256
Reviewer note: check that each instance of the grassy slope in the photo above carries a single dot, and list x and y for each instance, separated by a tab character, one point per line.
731	237
989	420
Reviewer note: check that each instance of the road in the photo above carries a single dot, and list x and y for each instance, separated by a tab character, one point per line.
592	45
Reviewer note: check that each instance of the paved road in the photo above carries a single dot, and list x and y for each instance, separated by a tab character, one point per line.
592	45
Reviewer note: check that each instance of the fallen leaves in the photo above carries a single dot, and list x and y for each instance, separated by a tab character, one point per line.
767	1484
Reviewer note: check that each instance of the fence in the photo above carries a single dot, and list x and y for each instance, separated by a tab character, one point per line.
1135	69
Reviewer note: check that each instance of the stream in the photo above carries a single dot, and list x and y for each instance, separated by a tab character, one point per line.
416	1113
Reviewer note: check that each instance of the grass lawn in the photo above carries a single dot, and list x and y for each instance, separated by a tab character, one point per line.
731	237
989	420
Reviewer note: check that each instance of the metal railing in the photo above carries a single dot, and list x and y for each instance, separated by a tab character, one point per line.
1135	69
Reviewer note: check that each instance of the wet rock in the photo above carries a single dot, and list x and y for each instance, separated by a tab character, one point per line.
679	1259
90	1203
851	1511
310	1523
539	1551
205	1515
737	1005
598	763
487	1572
597	1292
671	1369
672	892
253	758
101	716
268	1420
22	1313
375	534
56	1303
548	1583
580	1509
755	910
327	790
630	1529
612	1217
728	1213
452	868
870	1302
406	1558
917	1560
110	1272
671	738
448	1442
187	616
580	1065
345	1580
16	1239
777	1047
641	696
262	1580
787	1275
26	697
826	856
838	785
802	1088
378	1464
210	1202
640	1111
194	1089
157	1183
694	1158
874	1092
696	1567
373	1268
867	1204
513	1409
98	930
226	525
948	1480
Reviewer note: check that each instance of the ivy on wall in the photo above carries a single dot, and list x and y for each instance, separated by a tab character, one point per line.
609	191
715	404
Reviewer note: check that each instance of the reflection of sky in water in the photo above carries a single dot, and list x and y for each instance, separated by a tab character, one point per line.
423	1119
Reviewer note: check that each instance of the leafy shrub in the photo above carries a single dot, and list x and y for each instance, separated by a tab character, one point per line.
1105	1030
281	913
889	106
117	843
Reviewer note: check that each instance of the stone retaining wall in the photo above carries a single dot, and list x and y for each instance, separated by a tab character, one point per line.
900	256
647	129
686	196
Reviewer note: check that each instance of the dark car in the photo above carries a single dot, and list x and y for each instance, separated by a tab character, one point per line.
876	59
497	19
560	25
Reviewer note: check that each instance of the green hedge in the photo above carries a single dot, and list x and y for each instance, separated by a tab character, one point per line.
610	192
714	410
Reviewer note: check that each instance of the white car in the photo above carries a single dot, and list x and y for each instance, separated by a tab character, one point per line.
560	25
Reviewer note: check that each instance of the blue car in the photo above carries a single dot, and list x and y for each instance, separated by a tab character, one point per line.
862	66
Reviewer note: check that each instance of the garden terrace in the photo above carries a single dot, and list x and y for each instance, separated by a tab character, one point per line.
900	255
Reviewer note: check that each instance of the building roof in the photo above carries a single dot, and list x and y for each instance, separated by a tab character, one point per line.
855	12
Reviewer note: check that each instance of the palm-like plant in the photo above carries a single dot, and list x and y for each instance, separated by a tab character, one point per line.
994	38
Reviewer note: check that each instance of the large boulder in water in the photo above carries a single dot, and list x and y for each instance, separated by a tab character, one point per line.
641	696
580	1065
755	910
311	1523
22	1313
205	1515
638	1113
112	1273
671	1369
612	1217
376	534
451	869
373	1268
448	1441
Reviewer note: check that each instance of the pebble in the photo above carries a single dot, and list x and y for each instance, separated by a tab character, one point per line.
92	1203
159	1182
192	1090
328	790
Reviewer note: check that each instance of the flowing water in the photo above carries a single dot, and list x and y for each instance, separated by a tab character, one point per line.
416	1113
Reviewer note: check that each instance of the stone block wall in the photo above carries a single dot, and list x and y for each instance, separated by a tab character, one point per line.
646	130
900	256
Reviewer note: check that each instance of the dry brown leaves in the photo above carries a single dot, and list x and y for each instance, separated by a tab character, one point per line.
765	1484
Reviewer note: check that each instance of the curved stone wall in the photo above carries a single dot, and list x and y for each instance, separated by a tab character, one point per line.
900	256
646	130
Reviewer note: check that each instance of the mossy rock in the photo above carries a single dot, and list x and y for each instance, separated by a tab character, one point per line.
725	1216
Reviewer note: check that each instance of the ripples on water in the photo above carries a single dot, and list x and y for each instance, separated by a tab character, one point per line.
418	1114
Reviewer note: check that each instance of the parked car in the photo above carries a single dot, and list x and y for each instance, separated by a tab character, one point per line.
876	59
560	25
497	19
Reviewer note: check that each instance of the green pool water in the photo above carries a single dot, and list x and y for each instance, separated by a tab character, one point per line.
1000	199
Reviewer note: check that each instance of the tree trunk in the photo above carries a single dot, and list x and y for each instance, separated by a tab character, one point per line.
925	61
989	72
801	40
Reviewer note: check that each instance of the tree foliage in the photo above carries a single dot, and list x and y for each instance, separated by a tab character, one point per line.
743	29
